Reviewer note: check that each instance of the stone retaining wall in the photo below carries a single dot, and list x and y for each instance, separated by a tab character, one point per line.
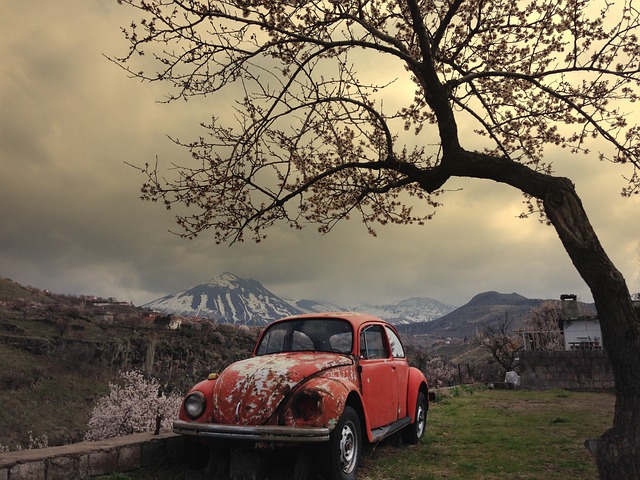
80	461
587	370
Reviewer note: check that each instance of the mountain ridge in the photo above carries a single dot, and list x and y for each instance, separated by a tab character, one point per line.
227	298
483	309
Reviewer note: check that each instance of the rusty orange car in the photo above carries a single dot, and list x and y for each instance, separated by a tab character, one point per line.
331	381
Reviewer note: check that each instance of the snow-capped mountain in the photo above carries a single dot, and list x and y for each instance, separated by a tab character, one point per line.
411	310
314	306
230	299
226	299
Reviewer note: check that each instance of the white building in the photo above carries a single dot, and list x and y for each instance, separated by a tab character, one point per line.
581	332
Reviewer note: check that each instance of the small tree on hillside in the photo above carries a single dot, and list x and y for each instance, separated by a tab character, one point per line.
439	372
503	345
318	135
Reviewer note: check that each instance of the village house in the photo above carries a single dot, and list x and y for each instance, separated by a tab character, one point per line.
581	332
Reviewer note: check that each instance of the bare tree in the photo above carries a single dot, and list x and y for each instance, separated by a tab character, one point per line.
542	325
317	139
503	345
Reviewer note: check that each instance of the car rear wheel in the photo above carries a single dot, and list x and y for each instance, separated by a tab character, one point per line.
344	449
415	431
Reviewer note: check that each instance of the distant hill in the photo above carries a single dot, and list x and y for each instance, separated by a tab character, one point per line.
484	308
414	310
58	358
12	291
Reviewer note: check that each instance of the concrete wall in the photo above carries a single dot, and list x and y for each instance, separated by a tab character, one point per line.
84	460
587	370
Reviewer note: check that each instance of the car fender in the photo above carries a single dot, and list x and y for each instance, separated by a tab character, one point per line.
350	395
417	384
206	388
334	394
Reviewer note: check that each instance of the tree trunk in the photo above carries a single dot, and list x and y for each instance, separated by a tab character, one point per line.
617	451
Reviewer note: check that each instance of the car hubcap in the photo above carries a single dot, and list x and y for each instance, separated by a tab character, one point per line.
420	421
348	449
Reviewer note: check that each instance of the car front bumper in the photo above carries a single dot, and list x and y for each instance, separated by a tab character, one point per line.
256	433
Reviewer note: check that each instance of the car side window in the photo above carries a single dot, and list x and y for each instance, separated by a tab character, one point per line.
372	343
397	349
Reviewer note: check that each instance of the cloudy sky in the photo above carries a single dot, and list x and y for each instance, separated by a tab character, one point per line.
71	220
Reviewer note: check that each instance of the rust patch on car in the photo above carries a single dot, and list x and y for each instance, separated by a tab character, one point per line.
249	392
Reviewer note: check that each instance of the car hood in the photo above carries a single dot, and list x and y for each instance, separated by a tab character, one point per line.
248	392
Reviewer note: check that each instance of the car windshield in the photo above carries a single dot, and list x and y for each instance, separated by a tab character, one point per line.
309	334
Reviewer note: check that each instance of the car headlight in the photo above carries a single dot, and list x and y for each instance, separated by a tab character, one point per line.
195	404
307	405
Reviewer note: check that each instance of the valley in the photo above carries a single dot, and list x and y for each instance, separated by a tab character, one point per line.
58	353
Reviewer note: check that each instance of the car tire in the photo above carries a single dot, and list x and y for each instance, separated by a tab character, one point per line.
344	449
415	431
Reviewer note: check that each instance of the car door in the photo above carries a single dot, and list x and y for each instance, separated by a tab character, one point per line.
379	381
400	370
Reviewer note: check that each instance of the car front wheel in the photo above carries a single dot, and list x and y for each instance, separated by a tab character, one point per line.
344	449
415	431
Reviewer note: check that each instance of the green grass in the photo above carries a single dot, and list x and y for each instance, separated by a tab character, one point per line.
501	434
484	435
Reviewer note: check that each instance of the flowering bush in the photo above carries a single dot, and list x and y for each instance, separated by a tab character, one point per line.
135	404
439	372
542	327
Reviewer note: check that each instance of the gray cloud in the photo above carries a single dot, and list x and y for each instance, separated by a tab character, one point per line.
72	221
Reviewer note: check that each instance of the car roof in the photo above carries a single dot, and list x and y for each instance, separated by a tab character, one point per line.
355	318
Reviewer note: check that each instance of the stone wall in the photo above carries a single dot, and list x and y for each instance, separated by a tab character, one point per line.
587	370
80	461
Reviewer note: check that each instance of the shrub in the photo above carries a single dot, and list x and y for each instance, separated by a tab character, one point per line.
135	404
38	442
34	442
439	372
218	338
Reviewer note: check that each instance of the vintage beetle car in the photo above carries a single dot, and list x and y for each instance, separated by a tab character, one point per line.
331	380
